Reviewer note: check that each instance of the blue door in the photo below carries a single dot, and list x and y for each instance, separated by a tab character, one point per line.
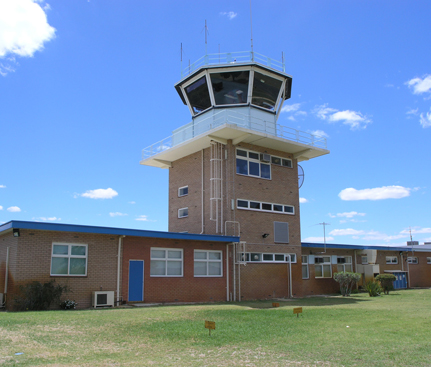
401	280
136	280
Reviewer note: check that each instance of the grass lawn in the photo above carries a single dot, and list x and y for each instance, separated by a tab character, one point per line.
392	330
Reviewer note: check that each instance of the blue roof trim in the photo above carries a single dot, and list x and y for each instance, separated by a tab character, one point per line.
41	226
354	247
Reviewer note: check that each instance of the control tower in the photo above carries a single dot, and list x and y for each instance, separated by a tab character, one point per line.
233	170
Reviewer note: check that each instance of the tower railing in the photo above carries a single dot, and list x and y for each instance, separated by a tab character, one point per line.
232	58
234	119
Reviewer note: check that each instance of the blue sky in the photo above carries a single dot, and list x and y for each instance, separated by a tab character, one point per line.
86	85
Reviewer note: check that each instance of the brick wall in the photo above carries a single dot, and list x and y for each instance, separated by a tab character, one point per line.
33	263
281	189
187	288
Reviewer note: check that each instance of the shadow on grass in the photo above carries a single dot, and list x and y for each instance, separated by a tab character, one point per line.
309	301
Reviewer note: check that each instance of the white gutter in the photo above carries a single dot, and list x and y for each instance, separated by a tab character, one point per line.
5	279
234	271
202	190
119	268
227	272
7	271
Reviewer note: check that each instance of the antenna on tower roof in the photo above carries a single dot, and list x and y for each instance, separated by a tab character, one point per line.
206	34
251	31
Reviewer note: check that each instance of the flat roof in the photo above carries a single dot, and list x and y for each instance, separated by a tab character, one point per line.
361	247
42	226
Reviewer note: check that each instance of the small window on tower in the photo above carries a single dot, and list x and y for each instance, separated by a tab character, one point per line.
183	212
183	191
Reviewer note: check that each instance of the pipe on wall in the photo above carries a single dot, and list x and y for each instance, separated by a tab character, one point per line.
227	272
202	190
120	239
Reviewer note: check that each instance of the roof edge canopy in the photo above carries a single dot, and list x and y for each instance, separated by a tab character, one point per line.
15	224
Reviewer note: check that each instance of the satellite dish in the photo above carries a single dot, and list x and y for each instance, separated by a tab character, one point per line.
300	176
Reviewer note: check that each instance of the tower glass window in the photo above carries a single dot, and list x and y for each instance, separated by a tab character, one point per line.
198	95
230	87
265	91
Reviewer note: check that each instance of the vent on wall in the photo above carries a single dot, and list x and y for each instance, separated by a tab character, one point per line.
102	299
281	232
265	157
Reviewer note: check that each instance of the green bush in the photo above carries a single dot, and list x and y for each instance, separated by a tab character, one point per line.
346	280
68	305
36	296
373	288
386	282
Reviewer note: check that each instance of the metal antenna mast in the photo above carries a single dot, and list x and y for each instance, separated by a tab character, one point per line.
251	30
206	43
324	233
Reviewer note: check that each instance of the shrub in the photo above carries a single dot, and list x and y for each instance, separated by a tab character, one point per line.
36	296
386	282
347	280
373	288
68	305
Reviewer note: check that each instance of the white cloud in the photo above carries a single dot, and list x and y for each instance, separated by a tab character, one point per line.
317	239
230	14
48	219
291	107
24	27
347	215
117	214
378	193
1	208
320	133
2	186
412	111
144	218
351	118
420	85
367	235
13	209
416	230
346	232
100	194
425	120
376	236
132	202
303	200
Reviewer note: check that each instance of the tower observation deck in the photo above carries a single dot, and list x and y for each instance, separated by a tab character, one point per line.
236	97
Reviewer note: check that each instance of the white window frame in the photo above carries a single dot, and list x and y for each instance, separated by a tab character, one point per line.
321	264
413	260
254	160
304	259
181	210
166	259
364	257
69	256
391	260
182	188
208	261
283	206
260	257
282	160
346	262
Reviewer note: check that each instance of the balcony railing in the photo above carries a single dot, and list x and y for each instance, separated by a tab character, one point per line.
232	58
234	119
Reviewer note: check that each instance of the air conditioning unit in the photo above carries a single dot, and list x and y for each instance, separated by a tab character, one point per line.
265	157
102	299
